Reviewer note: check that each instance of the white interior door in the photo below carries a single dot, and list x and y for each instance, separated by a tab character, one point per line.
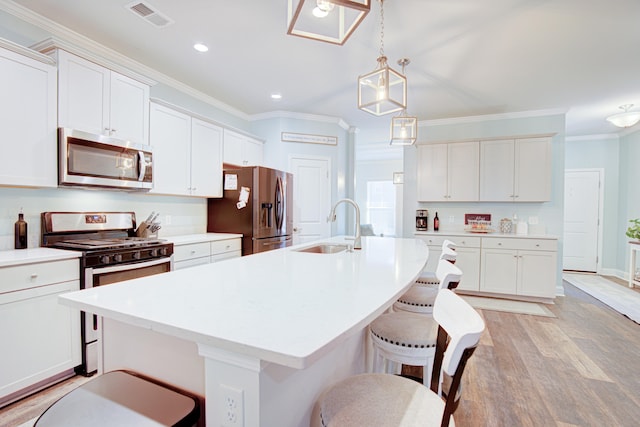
582	201
311	198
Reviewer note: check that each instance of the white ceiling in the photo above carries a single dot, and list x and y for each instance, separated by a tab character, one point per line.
468	57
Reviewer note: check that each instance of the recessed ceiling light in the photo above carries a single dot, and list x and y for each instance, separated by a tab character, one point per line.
200	47
276	96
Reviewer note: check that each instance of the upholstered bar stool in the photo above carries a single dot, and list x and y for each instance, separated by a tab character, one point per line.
449	253
420	297
384	400
409	338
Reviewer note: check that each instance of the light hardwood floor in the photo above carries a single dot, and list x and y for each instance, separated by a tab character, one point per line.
578	369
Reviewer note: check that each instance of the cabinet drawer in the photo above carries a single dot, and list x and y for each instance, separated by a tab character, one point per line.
466	241
39	274
191	251
520	244
222	246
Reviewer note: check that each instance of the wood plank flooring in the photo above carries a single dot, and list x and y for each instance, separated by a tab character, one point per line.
579	369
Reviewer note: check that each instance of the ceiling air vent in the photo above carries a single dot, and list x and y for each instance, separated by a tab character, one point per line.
149	13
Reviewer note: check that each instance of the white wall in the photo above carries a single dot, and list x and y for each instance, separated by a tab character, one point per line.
601	152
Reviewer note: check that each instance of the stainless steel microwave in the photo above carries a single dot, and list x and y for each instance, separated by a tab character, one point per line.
90	160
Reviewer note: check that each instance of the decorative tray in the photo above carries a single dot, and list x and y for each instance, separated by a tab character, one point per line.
479	226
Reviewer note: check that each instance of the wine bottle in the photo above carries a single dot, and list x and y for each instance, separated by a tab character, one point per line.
21	232
436	223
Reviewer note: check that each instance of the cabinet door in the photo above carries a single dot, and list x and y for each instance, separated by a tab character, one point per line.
84	88
252	152
537	273
40	337
432	172
496	171
129	109
499	271
532	170
233	148
462	176
468	261
28	122
170	139
206	159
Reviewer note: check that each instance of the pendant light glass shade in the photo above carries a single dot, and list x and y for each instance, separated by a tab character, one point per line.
404	129
331	21
384	90
626	119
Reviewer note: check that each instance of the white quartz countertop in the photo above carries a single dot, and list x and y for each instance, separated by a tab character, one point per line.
281	306
200	238
494	234
34	255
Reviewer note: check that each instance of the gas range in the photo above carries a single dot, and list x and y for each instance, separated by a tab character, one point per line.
106	238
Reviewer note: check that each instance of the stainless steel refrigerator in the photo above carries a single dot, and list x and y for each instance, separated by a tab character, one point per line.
256	203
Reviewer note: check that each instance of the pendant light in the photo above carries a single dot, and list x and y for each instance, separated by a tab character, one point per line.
404	128
626	119
331	21
383	90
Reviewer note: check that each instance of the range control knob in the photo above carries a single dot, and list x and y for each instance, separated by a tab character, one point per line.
104	259
164	251
136	255
154	252
117	258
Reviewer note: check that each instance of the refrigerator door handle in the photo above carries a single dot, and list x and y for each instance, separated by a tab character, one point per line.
279	199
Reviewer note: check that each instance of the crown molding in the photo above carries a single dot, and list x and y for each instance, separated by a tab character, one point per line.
606	136
29	53
281	114
487	117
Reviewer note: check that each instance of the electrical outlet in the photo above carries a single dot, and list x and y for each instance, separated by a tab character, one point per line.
232	406
167	219
452	219
533	220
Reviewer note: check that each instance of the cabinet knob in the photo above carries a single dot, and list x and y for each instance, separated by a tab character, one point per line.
34	276
193	252
537	245
499	244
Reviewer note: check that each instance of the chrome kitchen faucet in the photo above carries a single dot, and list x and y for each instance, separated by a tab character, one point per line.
357	241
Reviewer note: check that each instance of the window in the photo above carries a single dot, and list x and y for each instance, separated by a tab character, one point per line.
381	207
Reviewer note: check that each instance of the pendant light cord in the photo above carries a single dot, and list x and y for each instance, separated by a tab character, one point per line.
381	28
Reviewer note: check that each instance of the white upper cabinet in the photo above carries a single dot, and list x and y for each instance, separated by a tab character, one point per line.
187	154
206	159
170	136
517	170
448	172
97	100
242	150
28	120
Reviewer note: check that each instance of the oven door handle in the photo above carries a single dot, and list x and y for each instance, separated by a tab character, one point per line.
132	266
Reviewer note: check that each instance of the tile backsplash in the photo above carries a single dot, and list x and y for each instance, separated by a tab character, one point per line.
187	215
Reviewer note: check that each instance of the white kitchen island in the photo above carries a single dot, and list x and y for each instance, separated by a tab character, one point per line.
259	336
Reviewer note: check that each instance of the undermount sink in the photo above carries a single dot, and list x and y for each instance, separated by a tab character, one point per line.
323	248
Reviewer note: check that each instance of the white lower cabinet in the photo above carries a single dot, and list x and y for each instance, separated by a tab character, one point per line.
192	254
522	267
468	258
39	336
